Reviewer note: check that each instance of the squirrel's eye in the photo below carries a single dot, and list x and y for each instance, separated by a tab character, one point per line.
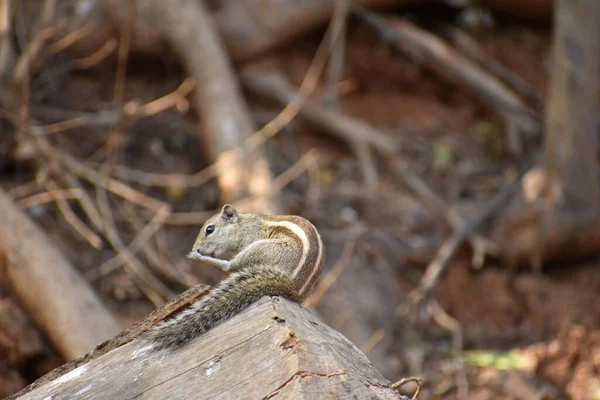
210	229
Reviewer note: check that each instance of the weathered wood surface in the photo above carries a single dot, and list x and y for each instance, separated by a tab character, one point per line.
274	349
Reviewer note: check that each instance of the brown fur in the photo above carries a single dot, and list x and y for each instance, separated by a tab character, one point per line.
265	254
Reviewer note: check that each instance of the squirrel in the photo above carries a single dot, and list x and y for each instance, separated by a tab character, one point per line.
267	255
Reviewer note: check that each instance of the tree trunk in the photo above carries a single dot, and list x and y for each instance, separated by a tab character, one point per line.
556	216
570	148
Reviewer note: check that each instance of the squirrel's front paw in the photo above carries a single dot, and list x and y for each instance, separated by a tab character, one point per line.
222	264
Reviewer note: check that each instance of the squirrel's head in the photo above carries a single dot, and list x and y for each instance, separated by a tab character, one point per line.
221	235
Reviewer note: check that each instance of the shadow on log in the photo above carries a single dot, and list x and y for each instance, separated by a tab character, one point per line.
274	349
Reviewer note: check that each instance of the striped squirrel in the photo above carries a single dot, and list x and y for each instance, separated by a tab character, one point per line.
267	255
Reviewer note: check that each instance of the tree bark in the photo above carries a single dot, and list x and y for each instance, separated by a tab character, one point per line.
556	216
570	147
273	350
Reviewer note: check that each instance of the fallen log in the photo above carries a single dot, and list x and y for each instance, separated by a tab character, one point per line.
274	349
48	287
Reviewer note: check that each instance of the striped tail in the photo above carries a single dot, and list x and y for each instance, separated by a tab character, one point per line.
226	299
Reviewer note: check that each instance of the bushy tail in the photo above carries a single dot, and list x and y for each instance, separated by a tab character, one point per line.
226	299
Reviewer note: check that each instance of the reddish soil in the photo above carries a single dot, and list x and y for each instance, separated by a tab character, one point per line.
552	318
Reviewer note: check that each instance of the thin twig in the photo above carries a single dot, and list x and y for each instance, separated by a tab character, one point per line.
447	250
469	46
361	136
480	245
438	56
404	381
177	99
293	172
309	83
117	131
336	61
373	341
85	200
71	38
80	169
305	163
446	321
24	64
96	57
25	189
142	238
131	111
124	46
50	196
72	219
332	276
153	288
367	165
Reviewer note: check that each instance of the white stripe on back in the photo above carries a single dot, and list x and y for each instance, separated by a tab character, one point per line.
301	235
317	262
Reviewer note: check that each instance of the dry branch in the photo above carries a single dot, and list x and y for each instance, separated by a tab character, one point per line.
253	27
68	169
340	19
362	138
359	135
226	119
441	58
64	163
275	349
49	288
449	247
469	46
248	28
273	85
70	216
481	246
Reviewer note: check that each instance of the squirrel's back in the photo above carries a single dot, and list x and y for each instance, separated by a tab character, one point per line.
268	256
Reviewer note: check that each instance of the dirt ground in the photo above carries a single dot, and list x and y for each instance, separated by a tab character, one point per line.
550	320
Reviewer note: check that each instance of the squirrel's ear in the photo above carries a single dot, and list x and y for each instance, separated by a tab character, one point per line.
228	213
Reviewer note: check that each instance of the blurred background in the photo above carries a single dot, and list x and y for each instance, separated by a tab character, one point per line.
446	150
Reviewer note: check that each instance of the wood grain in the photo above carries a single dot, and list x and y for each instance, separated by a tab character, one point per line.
274	349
